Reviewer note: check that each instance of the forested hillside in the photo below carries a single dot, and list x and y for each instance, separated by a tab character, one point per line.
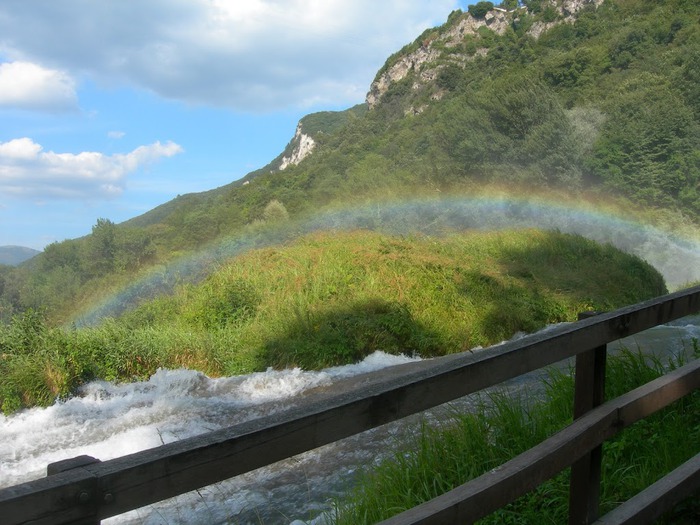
14	255
586	100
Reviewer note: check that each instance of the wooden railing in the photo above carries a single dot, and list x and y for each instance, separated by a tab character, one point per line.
84	490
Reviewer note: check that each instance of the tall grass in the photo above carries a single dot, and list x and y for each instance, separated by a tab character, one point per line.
505	424
328	299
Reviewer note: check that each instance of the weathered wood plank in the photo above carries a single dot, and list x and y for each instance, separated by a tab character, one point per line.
60	493
491	491
657	498
589	392
152	475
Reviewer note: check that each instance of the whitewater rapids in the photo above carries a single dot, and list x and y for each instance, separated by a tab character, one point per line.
111	420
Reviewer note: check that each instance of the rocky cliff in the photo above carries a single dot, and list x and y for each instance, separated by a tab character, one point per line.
301	146
462	38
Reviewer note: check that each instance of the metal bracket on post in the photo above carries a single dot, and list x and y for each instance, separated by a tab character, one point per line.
87	496
589	392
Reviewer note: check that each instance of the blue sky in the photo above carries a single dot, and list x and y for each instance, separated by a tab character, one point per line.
113	107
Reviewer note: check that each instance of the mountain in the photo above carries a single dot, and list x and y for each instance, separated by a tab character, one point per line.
588	100
14	255
310	131
573	93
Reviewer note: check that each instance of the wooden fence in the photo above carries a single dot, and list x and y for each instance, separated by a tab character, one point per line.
85	490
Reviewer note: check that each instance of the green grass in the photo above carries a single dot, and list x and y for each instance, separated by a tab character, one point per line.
331	298
505	425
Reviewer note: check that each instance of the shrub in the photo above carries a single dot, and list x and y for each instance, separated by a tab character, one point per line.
480	9
450	77
275	211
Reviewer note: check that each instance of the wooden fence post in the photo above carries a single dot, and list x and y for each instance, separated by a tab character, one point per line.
589	392
85	497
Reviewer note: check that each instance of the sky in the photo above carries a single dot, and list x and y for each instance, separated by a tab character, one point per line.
109	108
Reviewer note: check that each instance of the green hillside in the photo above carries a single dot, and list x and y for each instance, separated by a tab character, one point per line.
600	103
331	298
14	255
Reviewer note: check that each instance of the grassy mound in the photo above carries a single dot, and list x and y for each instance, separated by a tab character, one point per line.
332	298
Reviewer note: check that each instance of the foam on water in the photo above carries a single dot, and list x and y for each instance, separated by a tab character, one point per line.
107	420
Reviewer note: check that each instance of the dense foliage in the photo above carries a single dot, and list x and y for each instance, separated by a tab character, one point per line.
480	9
329	299
606	105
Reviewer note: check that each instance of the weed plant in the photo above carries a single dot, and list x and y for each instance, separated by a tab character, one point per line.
504	425
328	299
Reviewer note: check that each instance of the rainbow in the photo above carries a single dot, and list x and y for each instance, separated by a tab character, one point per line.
676	257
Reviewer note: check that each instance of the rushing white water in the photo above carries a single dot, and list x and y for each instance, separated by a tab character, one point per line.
108	421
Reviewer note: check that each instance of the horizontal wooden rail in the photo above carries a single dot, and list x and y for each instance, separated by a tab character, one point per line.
491	491
651	503
112	487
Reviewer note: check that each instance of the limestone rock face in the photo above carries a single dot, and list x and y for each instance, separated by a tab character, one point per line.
441	47
425	61
496	20
399	71
302	146
567	10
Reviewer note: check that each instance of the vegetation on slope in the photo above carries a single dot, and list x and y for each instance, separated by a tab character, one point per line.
329	299
607	105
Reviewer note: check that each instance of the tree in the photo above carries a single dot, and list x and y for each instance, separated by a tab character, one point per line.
647	144
103	246
60	254
135	247
480	9
450	77
275	211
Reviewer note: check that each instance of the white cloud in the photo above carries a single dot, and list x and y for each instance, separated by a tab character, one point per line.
116	134
23	148
25	85
26	171
252	55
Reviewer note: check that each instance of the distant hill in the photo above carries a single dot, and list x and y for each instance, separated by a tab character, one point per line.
14	255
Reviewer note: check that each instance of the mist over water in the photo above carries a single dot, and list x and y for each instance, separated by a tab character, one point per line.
675	257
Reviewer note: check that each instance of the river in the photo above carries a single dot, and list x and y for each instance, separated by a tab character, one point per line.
110	420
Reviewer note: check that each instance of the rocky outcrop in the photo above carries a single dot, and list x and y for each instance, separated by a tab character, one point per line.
430	50
569	8
496	20
567	11
399	71
302	145
426	61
